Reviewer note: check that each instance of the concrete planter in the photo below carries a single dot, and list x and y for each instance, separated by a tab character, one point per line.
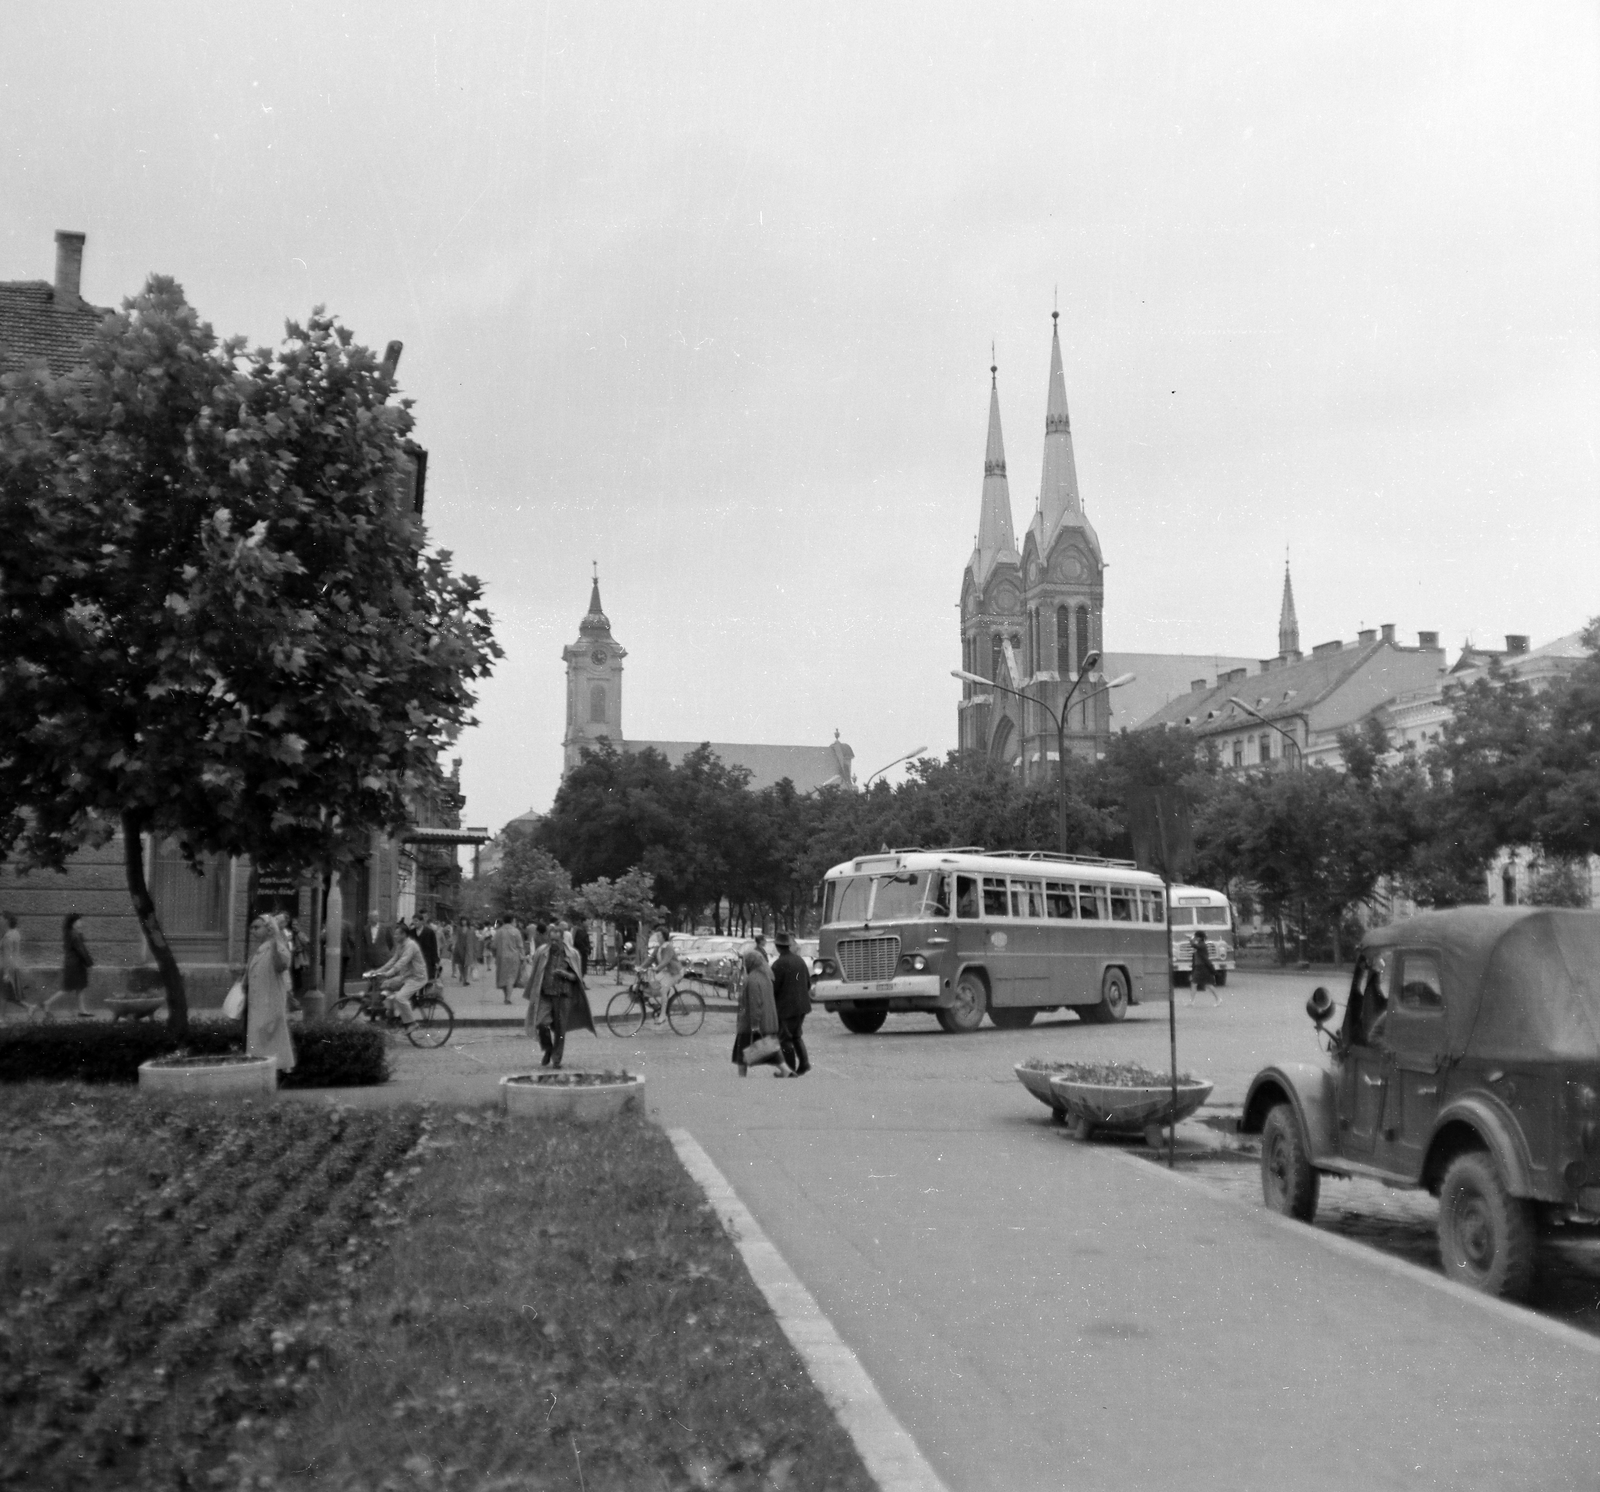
577	1096
134	1007
211	1077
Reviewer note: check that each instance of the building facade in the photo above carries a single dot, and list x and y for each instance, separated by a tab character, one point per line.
594	714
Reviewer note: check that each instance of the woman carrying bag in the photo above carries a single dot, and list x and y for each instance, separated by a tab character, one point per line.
756	1041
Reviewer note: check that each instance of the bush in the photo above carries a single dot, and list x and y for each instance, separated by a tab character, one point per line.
327	1055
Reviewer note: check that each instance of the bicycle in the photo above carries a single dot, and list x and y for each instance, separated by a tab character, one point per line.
685	1010
432	1027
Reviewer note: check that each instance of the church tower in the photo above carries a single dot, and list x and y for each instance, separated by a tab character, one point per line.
594	684
991	605
1288	625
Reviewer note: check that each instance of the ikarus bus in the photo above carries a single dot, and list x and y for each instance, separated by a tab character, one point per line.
963	932
1199	908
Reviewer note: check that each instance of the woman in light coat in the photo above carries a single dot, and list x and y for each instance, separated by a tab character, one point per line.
758	1013
267	993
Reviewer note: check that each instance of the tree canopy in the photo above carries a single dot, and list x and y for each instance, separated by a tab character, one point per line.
221	623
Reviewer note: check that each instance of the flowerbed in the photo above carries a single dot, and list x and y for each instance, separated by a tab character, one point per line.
222	1060
1108	1074
572	1079
328	1054
188	1310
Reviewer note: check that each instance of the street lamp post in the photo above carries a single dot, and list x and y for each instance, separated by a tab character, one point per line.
1058	720
914	752
1297	759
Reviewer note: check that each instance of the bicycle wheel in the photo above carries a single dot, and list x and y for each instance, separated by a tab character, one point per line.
625	1013
686	1011
351	1008
435	1021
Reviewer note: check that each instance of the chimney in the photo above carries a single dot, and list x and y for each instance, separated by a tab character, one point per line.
69	268
1388	633
1428	640
1516	642
1366	635
1196	685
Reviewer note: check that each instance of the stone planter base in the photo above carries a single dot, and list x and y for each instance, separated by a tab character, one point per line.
253	1077
134	1007
542	1095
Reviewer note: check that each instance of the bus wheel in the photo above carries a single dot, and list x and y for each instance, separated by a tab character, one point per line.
966	1014
1013	1018
1113	1004
863	1022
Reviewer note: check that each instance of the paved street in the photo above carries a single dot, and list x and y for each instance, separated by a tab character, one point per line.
1045	1314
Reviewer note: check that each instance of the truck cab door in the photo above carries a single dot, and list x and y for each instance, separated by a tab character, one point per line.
1414	1037
1367	1064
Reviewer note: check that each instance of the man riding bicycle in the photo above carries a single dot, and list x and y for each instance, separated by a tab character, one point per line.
668	971
405	975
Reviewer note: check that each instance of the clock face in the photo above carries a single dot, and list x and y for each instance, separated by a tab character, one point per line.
599	655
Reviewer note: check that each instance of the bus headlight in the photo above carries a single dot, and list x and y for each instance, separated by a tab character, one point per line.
919	963
821	968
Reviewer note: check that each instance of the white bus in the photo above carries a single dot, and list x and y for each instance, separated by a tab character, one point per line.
961	933
1199	907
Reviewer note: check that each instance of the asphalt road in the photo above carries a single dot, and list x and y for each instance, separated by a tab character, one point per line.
1040	1313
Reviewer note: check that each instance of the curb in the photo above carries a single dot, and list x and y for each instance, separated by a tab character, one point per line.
886	1447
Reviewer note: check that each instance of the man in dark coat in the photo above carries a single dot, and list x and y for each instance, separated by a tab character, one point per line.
428	942
791	988
377	943
580	941
557	998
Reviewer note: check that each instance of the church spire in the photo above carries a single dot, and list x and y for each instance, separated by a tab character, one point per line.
996	540
1058	487
595	620
1288	625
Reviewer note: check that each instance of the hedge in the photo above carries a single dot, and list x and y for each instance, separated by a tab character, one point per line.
327	1054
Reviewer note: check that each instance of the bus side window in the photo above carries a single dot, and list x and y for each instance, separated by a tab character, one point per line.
1092	903
966	897
1122	904
994	896
1059	900
1151	901
1027	899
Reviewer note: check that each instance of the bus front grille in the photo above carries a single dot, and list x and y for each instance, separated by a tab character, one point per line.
866	960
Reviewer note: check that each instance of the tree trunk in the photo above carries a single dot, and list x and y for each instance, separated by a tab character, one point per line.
144	908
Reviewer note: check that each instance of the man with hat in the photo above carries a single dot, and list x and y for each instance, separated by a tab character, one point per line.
791	989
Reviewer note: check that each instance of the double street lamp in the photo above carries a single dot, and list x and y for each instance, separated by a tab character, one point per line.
1059	721
1292	753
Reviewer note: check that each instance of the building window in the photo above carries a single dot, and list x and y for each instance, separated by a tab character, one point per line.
190	905
597	704
1063	640
1083	634
1266	747
1238	752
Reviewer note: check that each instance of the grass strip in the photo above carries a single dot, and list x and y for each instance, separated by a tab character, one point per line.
565	1312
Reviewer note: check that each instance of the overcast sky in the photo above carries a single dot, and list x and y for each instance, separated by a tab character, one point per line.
707	295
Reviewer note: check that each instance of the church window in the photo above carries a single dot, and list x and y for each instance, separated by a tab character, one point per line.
1063	641
1083	634
996	653
597	704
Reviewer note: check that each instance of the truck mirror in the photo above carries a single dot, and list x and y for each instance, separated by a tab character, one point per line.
1319	1007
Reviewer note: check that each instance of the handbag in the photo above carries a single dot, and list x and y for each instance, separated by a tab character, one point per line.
762	1049
233	1002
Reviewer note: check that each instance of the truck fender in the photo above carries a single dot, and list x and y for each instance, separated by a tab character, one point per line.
1311	1090
1496	1128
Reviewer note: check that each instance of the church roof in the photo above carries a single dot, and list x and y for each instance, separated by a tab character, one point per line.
807	767
997	542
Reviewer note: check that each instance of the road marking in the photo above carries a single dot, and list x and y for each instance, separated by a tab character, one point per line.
1367	1254
891	1455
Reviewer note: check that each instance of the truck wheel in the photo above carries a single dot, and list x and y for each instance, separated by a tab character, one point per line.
966	1014
863	1022
1487	1237
1113	1004
1013	1018
1288	1184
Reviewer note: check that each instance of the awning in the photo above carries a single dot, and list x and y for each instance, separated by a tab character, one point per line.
427	834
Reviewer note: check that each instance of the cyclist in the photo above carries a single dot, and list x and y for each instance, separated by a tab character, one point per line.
403	976
668	971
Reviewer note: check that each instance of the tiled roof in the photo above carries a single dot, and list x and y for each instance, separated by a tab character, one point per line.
808	767
1289	689
34	328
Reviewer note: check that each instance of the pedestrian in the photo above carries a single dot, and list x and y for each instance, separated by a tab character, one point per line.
377	943
76	961
349	955
267	984
761	948
463	951
1202	976
791	992
11	966
509	948
427	937
581	941
758	1019
299	959
447	943
557	997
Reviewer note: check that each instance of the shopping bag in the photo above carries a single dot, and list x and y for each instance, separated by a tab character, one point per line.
233	1004
762	1049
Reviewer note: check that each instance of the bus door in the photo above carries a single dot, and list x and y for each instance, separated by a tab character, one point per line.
1067	964
968	932
1025	976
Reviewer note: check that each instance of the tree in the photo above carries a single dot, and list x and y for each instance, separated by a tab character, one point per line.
624	902
1567	822
220	623
531	883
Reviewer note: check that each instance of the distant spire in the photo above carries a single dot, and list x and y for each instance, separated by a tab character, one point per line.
996	541
595	620
1058	486
594	592
1288	625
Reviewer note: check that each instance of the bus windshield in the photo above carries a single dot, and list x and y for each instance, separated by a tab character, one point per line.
1212	916
901	897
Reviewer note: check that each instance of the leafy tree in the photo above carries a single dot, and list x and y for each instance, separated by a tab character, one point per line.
531	883
218	622
1560	883
624	902
1566	822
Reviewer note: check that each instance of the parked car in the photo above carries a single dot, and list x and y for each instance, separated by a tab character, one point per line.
1467	1061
